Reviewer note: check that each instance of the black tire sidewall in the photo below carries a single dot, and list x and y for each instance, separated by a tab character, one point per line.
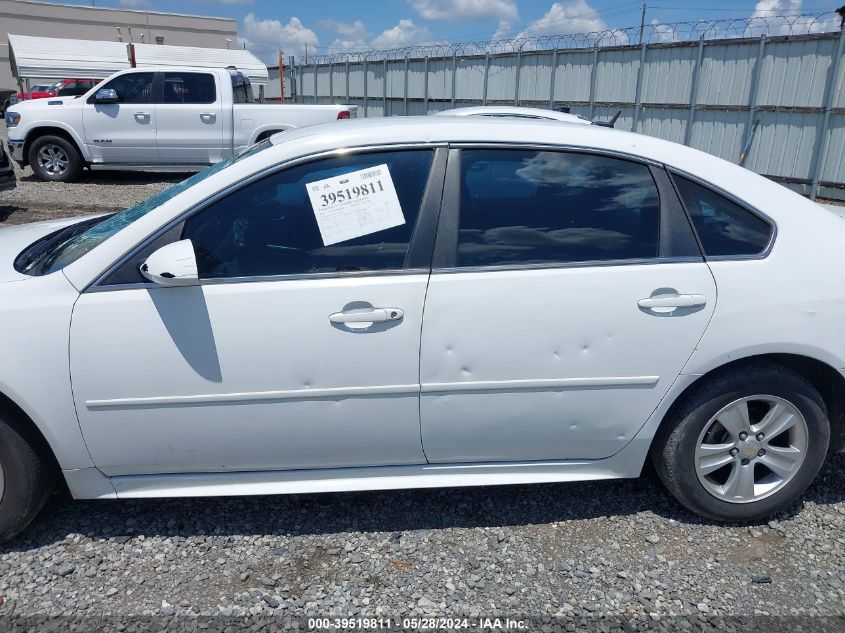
707	402
74	159
26	480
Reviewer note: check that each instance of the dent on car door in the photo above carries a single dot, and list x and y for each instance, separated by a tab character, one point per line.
280	359
567	293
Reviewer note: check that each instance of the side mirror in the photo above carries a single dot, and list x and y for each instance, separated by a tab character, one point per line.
106	95
172	265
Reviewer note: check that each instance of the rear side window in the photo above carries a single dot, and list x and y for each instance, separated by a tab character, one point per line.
189	88
527	207
723	227
241	89
269	227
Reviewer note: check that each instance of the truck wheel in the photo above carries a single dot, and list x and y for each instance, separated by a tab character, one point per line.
26	476
55	158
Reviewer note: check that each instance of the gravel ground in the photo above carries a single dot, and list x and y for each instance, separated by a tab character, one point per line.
614	555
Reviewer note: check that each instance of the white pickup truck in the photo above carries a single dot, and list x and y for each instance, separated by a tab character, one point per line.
175	118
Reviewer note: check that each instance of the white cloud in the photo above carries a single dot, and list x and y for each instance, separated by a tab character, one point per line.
767	8
265	37
406	33
454	10
661	32
502	31
352	36
563	18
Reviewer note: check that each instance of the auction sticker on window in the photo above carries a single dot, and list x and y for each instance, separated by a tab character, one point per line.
355	204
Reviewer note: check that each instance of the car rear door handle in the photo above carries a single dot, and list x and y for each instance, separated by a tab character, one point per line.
142	115
208	117
673	301
374	315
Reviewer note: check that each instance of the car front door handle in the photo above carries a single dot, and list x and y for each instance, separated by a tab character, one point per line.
142	115
374	315
673	301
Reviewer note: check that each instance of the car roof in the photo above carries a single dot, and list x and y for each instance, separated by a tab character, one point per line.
513	111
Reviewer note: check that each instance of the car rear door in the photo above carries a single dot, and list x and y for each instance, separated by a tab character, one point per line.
300	348
123	132
190	128
566	295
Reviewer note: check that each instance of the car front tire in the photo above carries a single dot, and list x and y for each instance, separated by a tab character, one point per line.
744	444
26	476
55	159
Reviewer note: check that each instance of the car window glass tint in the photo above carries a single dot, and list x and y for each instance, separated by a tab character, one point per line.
189	88
268	227
132	87
527	207
723	227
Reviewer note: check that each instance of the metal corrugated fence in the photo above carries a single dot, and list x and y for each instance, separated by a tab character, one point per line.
707	93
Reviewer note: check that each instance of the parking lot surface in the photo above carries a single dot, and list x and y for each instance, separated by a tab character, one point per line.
595	552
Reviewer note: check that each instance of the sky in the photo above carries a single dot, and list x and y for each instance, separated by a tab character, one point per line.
329	26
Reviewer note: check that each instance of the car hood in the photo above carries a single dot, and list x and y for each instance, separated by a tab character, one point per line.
40	105
15	239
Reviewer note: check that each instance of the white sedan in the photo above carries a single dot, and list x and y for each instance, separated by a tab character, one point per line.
404	303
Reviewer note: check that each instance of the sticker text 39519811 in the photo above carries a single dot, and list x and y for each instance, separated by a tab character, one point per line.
355	204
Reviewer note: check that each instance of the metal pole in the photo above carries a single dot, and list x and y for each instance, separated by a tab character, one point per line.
331	82
752	96
425	86
454	76
693	92
638	105
486	77
552	81
593	72
831	91
314	66
642	23
405	86
366	81
516	78
282	76
384	89
294	85
347	80
302	82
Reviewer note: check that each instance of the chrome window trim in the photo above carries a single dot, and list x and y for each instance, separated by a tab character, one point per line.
98	286
599	263
551	147
675	171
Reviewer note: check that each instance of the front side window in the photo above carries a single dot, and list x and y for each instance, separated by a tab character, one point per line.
340	214
132	88
189	88
536	207
724	228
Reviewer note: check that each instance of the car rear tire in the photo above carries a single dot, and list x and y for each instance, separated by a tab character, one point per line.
744	444
55	158
26	476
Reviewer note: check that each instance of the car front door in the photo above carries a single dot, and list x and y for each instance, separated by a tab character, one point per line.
566	295
190	119
300	347
123	132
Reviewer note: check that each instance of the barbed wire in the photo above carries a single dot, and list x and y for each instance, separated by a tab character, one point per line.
654	33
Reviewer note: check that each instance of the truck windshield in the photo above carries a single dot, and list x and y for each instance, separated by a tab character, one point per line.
57	250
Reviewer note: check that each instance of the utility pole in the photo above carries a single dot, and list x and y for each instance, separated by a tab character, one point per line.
306	52
642	22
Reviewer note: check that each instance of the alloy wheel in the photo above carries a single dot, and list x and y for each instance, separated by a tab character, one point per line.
53	159
751	448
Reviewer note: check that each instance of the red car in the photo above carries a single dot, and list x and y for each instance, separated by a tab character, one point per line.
63	88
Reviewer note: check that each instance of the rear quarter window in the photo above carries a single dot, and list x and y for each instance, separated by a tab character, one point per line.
724	227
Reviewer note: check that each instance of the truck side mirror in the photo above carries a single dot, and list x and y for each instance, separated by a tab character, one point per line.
172	265
106	95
